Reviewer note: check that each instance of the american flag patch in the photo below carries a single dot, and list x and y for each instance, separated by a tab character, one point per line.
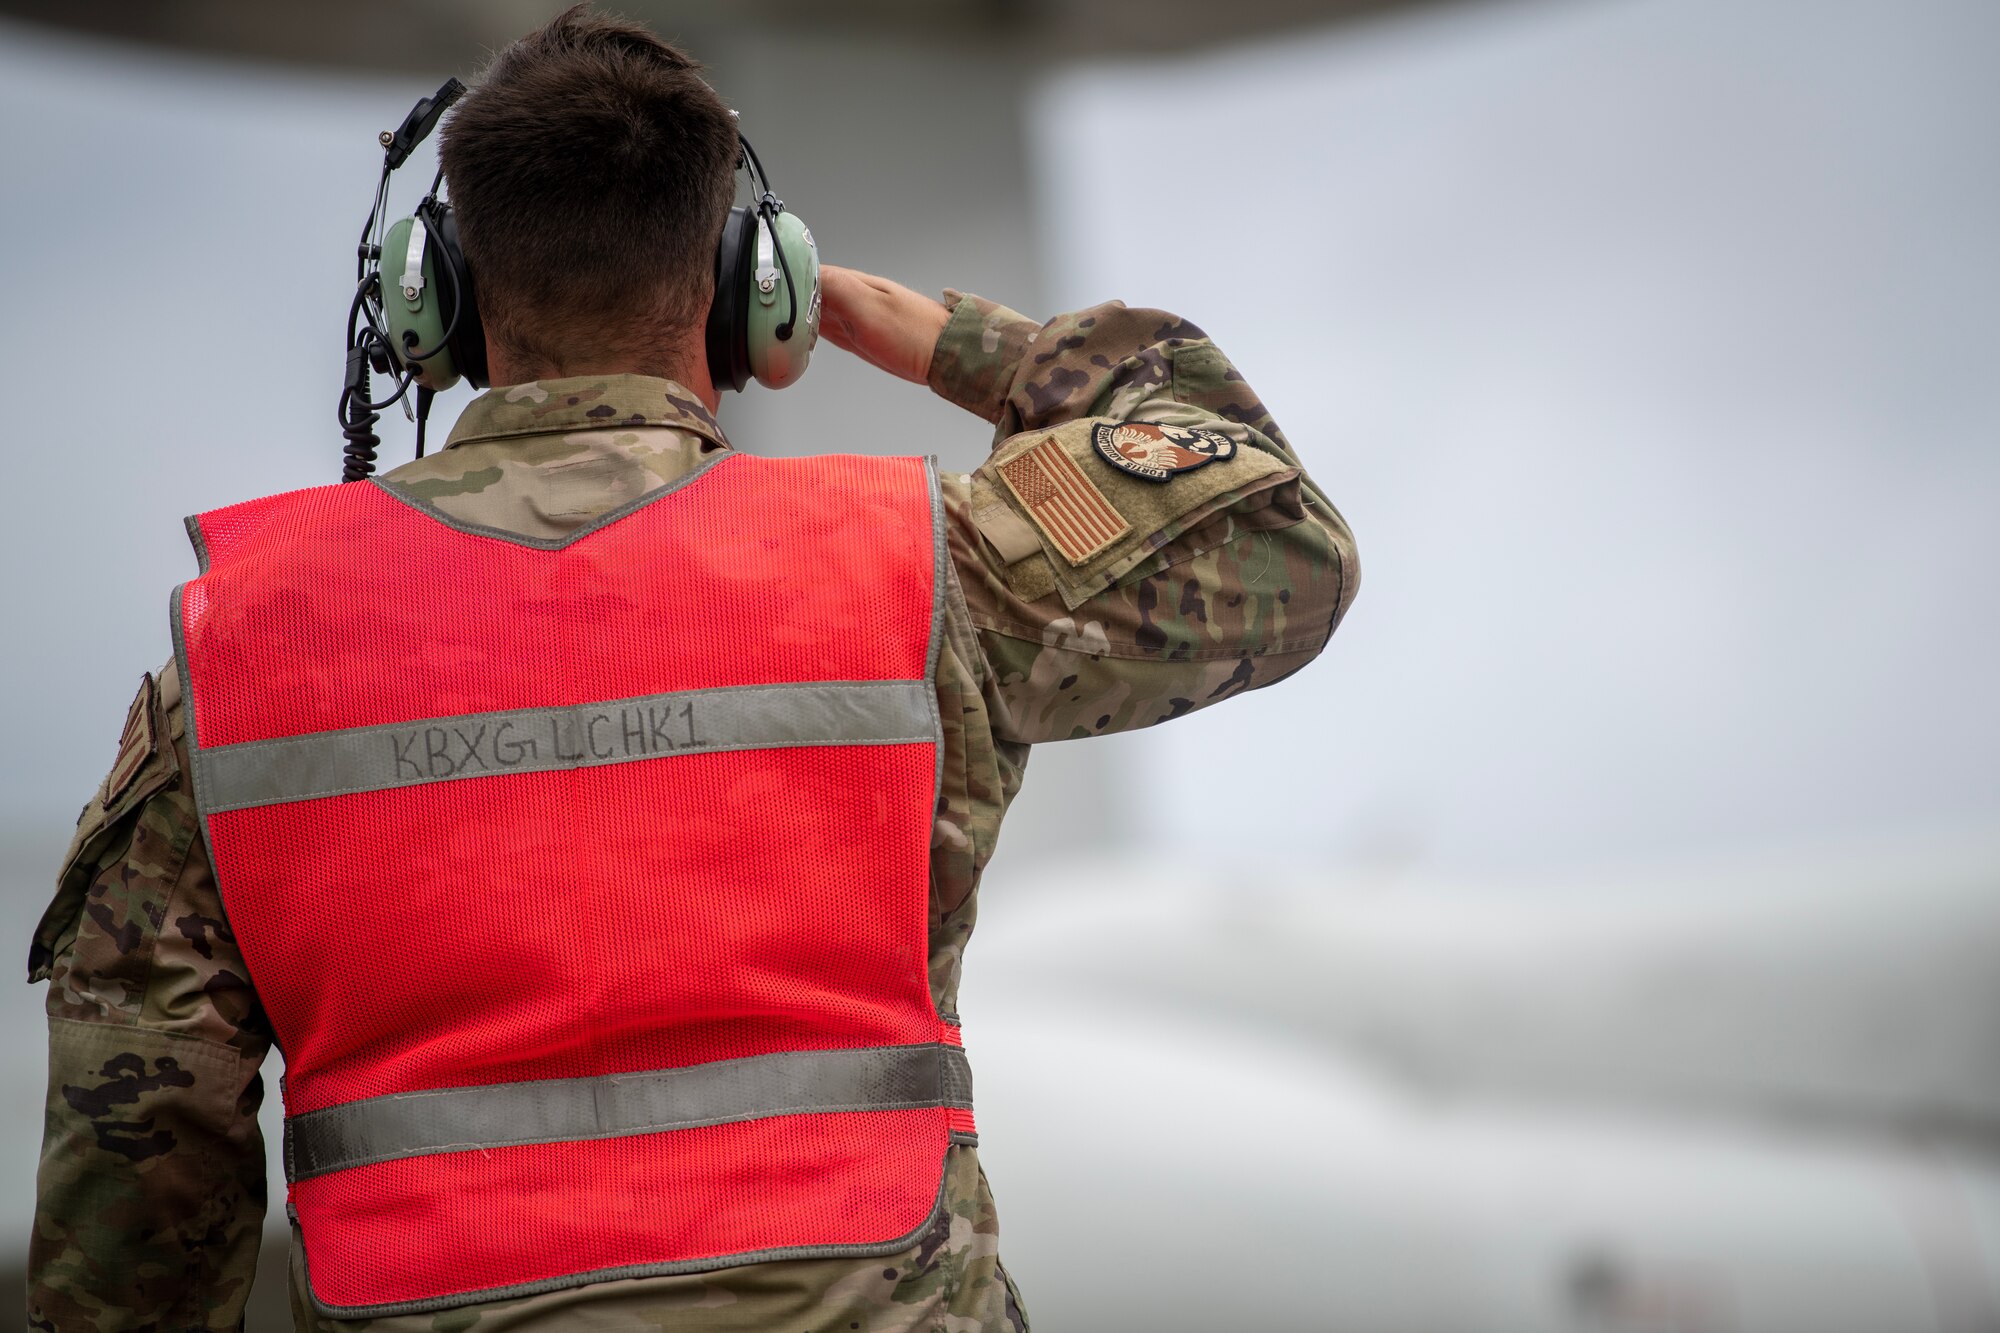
1065	504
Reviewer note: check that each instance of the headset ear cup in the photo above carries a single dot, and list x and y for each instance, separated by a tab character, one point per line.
413	305
441	309
784	320
729	310
468	332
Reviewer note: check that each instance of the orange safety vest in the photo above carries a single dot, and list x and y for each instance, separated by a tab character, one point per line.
585	880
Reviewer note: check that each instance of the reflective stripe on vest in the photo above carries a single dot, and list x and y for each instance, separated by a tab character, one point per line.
410	1124
585	881
533	740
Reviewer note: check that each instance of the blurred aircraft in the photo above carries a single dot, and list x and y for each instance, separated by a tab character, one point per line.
1752	1099
380	35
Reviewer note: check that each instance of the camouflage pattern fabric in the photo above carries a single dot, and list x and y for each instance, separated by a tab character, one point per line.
151	1194
1225	577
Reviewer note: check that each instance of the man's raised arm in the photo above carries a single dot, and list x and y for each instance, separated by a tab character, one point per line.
1142	542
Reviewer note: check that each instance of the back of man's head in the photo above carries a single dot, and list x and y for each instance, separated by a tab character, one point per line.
590	171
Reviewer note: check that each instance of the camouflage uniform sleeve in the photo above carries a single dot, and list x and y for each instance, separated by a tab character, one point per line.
150	1196
1107	598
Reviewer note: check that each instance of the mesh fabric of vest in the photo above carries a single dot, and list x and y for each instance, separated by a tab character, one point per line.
591	921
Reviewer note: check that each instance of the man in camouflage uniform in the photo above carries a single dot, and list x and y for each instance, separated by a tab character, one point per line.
1205	564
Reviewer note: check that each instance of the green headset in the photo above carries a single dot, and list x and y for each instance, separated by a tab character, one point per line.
414	313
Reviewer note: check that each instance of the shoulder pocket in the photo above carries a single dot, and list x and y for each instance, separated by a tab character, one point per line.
144	764
1077	508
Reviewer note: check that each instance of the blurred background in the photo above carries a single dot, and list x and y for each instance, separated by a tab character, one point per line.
1605	934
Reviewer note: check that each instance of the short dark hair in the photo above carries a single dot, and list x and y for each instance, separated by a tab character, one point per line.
591	170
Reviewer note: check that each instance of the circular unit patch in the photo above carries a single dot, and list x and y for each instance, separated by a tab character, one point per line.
1156	452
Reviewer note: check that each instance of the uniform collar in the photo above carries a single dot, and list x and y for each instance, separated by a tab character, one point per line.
585	402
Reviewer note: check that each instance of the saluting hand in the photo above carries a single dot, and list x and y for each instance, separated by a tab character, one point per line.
882	322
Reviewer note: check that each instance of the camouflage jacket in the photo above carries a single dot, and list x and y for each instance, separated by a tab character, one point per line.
1140	544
